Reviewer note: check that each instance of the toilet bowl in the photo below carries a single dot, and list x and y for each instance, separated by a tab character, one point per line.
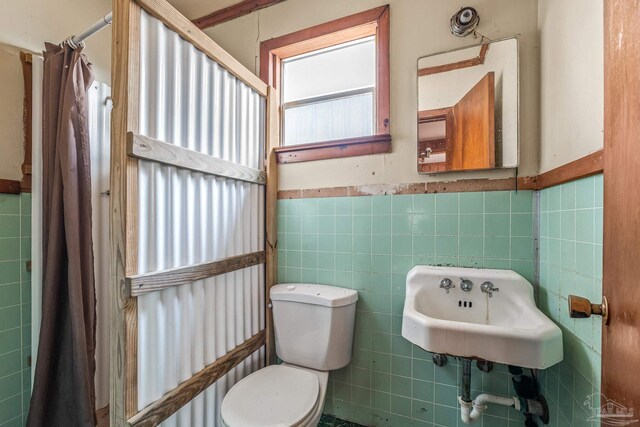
313	327
276	396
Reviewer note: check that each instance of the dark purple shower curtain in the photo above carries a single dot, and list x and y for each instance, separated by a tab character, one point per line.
63	389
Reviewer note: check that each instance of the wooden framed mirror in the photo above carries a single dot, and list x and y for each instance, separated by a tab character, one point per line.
468	109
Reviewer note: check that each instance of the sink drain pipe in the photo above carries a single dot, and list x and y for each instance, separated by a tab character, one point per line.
471	410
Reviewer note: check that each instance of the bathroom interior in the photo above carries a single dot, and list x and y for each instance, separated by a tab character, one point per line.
252	213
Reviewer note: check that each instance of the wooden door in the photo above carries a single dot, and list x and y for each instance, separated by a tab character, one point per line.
621	338
474	127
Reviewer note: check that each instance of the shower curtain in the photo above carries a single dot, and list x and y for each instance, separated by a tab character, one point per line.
63	390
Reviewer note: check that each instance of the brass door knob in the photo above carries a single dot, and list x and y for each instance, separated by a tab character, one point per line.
581	308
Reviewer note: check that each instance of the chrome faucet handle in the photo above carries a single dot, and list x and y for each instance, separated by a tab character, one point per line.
466	285
446	284
488	288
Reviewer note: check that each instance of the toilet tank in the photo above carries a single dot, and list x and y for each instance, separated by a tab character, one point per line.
314	324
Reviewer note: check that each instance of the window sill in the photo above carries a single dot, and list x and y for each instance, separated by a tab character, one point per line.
351	147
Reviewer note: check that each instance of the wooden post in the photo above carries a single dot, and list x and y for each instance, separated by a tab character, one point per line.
271	276
124	211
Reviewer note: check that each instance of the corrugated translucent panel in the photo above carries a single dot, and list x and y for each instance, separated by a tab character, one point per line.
183	329
204	410
99	138
332	119
187	217
189	100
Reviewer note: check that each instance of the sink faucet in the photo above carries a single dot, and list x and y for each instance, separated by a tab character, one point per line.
466	285
488	288
446	284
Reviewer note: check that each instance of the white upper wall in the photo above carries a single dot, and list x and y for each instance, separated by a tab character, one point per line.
27	24
562	106
571	80
418	28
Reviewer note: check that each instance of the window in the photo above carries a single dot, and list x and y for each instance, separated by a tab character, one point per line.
334	87
328	94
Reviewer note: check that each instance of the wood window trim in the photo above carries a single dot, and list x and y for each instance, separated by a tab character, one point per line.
351	147
373	22
26	59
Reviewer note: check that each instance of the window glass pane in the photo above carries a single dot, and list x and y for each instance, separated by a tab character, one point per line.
336	118
343	67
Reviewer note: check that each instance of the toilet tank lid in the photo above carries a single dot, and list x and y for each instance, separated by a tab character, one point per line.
328	296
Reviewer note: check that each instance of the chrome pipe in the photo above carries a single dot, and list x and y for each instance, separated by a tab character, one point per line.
75	41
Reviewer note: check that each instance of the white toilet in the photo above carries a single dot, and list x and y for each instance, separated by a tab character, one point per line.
314	334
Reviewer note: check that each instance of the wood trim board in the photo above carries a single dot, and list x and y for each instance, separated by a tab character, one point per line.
383	74
591	164
283	46
465	185
144	147
271	216
478	60
9	186
26	59
173	19
232	12
158	280
308	45
361	146
175	399
125	62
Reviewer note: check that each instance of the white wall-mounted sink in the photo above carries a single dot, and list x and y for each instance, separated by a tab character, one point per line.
506	327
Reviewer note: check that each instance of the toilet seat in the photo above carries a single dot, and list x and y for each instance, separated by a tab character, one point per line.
275	396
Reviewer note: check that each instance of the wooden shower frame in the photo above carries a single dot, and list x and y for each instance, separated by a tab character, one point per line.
127	147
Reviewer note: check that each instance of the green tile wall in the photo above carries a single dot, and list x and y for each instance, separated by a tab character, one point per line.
15	308
571	263
369	244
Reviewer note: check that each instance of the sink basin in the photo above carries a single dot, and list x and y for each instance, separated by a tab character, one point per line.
504	328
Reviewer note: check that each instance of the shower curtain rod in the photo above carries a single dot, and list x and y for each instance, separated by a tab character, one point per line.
75	41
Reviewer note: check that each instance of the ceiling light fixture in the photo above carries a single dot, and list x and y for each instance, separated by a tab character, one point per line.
464	22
